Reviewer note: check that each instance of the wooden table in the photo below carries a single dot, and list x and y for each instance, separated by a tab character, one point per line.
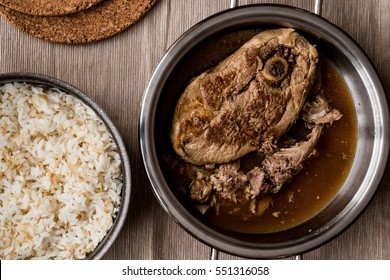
115	73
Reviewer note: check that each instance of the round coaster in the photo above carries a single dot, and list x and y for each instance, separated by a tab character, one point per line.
99	22
49	7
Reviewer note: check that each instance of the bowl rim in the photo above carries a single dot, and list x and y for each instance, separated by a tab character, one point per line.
176	52
121	215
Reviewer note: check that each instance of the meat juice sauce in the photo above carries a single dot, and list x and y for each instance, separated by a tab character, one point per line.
323	174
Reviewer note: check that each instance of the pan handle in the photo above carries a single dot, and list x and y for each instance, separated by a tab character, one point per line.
214	254
233	3
317	6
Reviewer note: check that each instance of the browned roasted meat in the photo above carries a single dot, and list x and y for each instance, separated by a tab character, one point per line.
247	101
246	104
230	184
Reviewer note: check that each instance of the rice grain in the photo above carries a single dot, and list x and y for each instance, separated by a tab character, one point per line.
60	175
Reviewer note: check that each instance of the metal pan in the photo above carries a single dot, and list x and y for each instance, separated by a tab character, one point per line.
373	131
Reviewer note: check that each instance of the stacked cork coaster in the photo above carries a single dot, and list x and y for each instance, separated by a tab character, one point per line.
74	21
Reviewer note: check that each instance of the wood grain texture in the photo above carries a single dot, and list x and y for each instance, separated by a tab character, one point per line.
115	72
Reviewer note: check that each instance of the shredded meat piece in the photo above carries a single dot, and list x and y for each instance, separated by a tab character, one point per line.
228	180
318	111
284	164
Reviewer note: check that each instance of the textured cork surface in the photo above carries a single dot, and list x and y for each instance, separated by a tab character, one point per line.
49	7
99	22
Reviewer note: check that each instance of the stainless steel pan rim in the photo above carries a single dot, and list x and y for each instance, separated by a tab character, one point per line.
44	80
373	129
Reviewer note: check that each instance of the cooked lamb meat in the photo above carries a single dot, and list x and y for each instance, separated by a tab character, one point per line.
258	182
230	184
318	111
247	101
284	164
243	108
228	180
200	190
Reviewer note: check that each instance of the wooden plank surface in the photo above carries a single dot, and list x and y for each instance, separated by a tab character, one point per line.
115	73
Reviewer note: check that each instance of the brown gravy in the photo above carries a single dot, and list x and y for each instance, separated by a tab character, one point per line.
315	186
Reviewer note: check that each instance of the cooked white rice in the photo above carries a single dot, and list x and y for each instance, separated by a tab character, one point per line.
60	175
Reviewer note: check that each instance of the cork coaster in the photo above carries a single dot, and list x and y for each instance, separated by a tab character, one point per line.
99	22
49	7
